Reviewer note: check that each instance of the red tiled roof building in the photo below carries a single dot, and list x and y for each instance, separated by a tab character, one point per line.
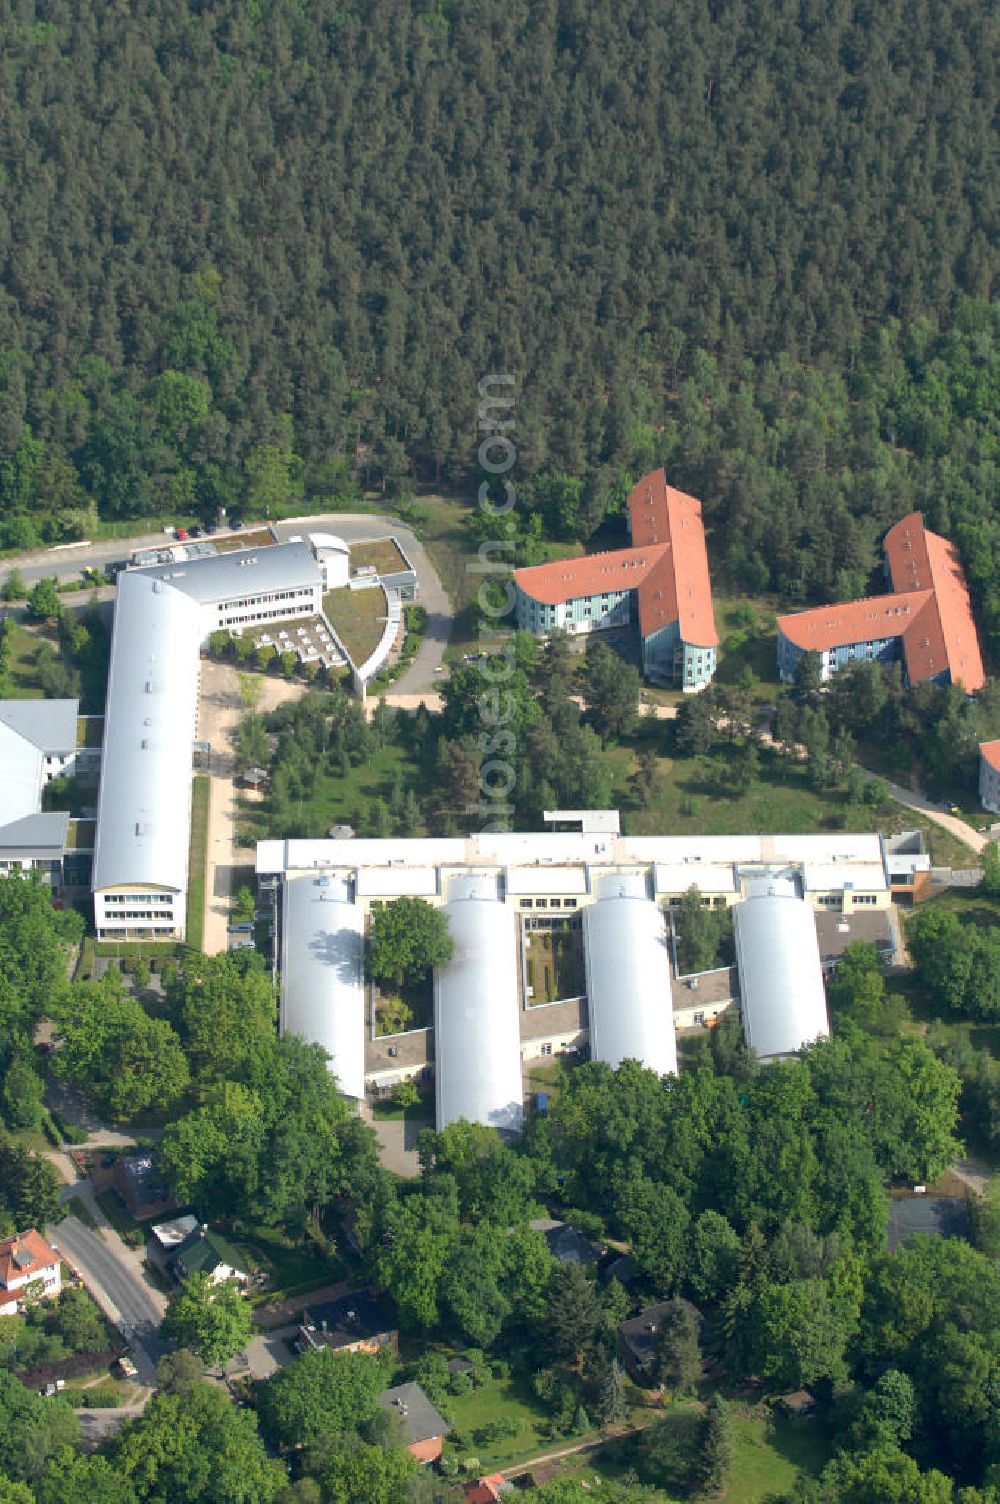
661	583
927	621
28	1267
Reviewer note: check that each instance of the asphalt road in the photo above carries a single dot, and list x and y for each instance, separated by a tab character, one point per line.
118	1288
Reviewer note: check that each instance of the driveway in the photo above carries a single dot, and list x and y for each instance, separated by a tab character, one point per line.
114	1275
968	836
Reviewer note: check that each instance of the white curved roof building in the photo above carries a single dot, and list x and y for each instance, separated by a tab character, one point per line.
628	977
781	978
322	974
143	814
476	1024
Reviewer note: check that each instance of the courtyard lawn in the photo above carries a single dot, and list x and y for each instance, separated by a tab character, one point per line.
555	964
358	617
748	640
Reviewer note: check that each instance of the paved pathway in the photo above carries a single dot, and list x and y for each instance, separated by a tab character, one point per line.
969	836
114	1275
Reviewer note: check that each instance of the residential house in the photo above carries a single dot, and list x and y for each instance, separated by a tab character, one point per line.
639	1343
207	1252
142	1186
29	1268
425	1426
356	1323
488	1490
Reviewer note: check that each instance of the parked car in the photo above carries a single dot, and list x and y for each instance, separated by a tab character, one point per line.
126	1368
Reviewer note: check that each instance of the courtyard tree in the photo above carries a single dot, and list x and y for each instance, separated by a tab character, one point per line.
43	601
408	938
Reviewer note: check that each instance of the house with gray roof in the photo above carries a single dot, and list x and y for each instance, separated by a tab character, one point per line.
206	1252
424	1426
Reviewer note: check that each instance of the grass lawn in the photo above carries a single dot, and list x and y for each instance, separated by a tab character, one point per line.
445	536
382	552
555	964
358	617
747	639
694	799
200	792
80	836
770	1456
22	680
90	731
384	1110
510	1400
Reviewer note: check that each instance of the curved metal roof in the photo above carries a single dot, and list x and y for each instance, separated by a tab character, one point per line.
477	1037
628	977
781	979
322	974
144	809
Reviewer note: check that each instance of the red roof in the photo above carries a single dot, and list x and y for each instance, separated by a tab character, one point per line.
853	621
486	1490
667	565
24	1256
931	611
990	753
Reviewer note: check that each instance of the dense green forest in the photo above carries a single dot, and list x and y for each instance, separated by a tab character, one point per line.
261	253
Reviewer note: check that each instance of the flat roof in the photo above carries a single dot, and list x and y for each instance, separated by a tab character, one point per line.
552	850
528	880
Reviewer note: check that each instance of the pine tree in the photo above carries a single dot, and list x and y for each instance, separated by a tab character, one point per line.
716	1447
679	1353
611	1405
575	1313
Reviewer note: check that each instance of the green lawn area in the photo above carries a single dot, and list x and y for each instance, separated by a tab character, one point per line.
80	836
501	1399
411	1008
693	799
555	964
770	1456
22	680
747	639
200	792
358	617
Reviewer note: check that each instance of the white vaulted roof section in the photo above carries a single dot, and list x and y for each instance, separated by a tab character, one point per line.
628	977
781	978
476	1023
322	974
144	811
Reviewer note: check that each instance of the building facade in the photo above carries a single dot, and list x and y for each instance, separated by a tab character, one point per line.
989	776
926	623
660	585
38	742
